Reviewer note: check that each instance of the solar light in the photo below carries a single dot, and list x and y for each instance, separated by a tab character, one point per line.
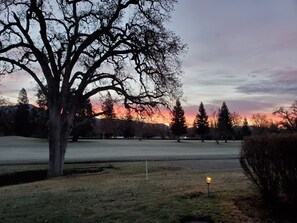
208	181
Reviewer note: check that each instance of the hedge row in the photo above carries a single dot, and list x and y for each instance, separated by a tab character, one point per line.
270	162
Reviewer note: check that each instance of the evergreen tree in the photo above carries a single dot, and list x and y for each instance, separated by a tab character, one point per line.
224	121
41	99
201	124
178	121
39	122
22	115
245	130
128	128
23	98
83	121
40	115
107	107
108	124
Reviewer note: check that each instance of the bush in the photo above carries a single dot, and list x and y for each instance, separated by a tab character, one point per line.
270	162
257	159
287	167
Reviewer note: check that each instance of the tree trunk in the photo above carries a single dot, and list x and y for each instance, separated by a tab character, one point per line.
59	128
75	137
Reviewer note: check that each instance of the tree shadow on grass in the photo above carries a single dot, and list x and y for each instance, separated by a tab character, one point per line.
38	175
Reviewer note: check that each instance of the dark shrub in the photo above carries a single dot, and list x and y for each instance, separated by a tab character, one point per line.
287	166
257	158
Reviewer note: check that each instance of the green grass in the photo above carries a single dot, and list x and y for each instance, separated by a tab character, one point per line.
122	194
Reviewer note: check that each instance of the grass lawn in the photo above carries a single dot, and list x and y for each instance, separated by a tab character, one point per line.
31	150
122	194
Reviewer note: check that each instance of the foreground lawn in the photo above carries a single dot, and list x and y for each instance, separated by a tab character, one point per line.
122	194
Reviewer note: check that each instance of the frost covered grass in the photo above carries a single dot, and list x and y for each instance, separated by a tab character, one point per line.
122	194
119	192
26	150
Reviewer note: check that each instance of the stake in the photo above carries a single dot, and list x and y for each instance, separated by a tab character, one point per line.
146	170
208	181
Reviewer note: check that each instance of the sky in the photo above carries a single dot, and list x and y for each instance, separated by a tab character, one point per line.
241	52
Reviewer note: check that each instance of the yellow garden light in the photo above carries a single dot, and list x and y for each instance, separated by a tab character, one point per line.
208	181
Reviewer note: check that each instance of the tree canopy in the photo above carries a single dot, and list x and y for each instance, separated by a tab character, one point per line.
93	46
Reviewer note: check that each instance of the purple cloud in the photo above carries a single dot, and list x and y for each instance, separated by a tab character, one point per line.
275	82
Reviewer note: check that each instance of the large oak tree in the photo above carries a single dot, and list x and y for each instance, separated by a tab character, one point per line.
77	48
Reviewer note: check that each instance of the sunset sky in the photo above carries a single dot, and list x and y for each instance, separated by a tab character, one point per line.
242	52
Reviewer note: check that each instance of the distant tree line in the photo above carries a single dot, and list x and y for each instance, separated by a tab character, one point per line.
225	125
24	119
222	127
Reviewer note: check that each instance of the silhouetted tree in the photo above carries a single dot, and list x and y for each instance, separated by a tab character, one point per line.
288	116
7	120
22	115
107	107
108	122
84	47
224	121
129	128
214	125
261	125
39	115
201	124
178	121
236	119
245	130
23	97
140	125
260	120
4	122
83	121
41	99
236	125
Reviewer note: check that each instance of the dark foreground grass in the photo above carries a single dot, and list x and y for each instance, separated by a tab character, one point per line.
122	194
18	174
